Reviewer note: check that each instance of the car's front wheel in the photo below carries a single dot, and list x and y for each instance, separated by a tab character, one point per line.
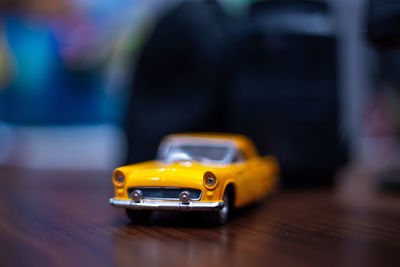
221	216
138	216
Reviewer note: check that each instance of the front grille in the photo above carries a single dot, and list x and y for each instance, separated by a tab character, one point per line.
165	193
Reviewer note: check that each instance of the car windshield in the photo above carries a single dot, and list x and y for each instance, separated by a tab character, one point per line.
198	152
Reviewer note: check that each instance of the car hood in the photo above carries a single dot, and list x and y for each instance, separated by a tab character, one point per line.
161	174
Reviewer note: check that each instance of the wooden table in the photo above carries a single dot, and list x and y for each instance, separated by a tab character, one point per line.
54	218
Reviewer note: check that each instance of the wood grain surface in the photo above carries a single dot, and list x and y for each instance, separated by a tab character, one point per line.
62	218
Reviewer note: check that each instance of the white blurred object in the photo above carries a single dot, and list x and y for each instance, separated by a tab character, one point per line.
94	147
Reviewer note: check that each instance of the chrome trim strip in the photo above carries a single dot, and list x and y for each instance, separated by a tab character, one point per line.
166	205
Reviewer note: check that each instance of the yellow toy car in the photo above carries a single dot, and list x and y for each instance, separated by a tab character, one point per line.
211	173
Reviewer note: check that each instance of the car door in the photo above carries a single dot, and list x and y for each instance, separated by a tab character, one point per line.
245	177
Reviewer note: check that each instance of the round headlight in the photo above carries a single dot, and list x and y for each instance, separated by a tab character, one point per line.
119	178
209	180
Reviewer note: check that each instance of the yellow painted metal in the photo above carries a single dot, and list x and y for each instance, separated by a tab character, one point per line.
252	179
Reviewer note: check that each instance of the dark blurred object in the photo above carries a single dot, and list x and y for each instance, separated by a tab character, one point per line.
383	32
389	181
284	90
175	86
271	76
383	23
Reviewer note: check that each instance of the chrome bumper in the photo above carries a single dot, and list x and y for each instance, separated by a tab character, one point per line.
167	205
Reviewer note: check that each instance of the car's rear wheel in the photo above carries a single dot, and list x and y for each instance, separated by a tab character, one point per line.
138	216
221	216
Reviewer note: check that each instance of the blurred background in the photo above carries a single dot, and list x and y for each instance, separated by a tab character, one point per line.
96	84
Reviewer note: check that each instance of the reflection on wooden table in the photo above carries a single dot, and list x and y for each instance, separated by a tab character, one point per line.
63	218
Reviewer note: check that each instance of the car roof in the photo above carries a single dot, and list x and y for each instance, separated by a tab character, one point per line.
241	141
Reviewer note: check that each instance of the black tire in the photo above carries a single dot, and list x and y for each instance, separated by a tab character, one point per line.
221	216
138	216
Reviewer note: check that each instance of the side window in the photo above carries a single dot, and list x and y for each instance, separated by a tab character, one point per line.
239	157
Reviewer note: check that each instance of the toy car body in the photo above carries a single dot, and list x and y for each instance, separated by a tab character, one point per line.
212	173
